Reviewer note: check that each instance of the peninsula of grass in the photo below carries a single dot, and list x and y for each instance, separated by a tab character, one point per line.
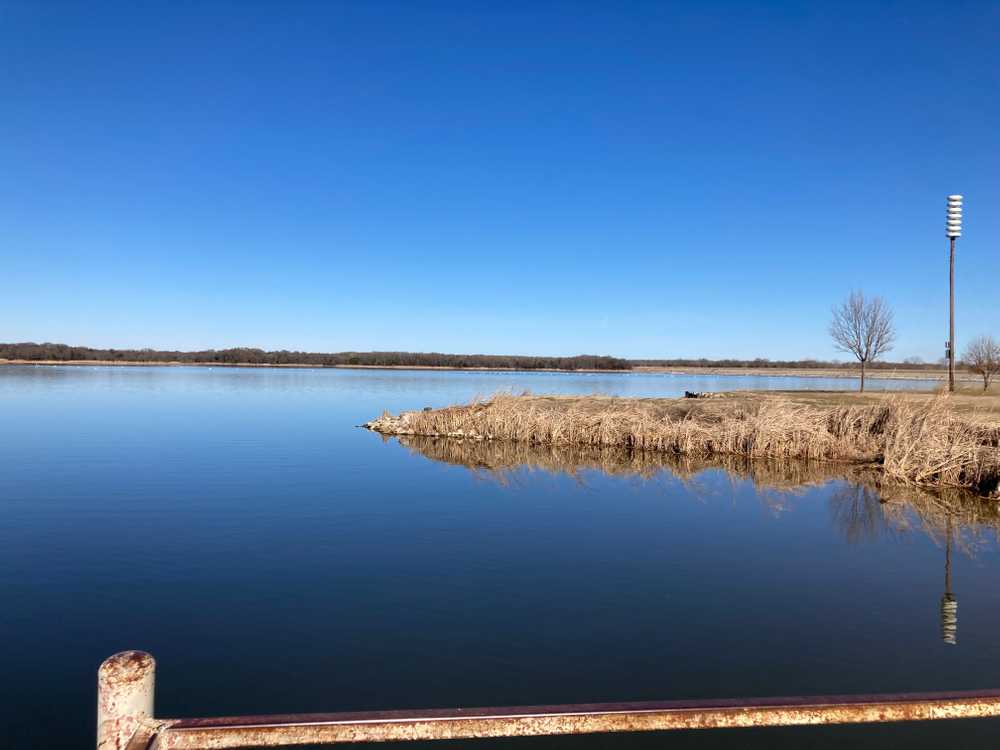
919	439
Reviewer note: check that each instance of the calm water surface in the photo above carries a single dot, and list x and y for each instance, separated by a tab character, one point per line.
275	558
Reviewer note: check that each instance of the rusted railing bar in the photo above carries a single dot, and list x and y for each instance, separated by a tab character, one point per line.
125	718
579	708
276	731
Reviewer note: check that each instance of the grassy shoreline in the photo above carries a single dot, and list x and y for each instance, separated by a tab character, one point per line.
928	375
917	439
802	372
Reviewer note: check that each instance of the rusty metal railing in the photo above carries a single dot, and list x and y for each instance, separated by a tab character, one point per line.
125	718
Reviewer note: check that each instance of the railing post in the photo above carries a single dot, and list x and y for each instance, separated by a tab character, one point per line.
125	684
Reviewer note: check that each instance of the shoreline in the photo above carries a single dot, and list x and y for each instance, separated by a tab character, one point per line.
819	372
776	372
926	440
290	365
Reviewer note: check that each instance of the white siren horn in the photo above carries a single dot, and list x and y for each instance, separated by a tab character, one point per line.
954	217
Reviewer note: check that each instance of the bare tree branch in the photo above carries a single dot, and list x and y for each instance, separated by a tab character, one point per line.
983	357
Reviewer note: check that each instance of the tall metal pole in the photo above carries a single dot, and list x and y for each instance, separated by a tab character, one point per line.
951	318
953	229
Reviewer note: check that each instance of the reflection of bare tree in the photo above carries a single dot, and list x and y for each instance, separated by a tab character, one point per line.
857	511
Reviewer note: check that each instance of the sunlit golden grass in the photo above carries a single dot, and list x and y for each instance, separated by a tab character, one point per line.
915	441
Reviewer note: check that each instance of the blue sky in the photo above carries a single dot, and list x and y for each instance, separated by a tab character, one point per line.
637	179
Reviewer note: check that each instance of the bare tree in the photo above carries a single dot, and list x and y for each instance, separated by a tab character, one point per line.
983	357
864	328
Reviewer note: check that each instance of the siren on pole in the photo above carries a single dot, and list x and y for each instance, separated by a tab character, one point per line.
953	228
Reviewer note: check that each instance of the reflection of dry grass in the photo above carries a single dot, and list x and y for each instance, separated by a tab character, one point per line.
969	516
498	457
865	504
917	442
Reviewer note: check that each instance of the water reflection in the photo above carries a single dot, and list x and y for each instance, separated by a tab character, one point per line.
857	509
862	514
863	506
949	604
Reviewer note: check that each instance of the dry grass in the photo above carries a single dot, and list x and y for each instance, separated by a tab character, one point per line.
915	441
974	402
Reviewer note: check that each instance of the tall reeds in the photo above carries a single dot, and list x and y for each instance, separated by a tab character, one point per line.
916	442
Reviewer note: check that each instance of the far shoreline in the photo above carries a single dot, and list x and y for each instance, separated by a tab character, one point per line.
819	372
928	375
266	365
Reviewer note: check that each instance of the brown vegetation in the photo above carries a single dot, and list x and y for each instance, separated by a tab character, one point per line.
917	441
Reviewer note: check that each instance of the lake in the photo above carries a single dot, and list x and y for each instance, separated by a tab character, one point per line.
275	558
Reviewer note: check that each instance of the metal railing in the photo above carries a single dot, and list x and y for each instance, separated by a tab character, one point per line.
125	718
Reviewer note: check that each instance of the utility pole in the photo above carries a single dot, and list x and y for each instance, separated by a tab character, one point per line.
953	230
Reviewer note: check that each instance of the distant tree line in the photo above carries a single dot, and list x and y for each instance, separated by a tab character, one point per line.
33	352
246	356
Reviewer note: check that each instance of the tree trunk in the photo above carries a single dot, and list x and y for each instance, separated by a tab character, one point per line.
862	376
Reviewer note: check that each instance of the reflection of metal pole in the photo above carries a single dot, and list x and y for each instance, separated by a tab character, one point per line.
949	605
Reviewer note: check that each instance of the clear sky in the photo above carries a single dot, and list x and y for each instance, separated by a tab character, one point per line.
637	179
